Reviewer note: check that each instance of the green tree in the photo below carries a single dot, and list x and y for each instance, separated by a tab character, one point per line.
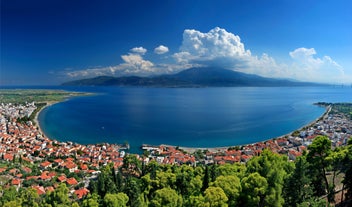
236	169
91	201
9	194
319	151
205	184
231	186
195	201
188	180
297	187
274	168
14	203
112	200
166	197
131	165
347	181
254	190
59	196
30	197
215	197
133	190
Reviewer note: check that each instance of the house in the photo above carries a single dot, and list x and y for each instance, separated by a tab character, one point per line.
71	181
16	181
8	157
45	165
61	178
292	154
40	189
71	166
80	193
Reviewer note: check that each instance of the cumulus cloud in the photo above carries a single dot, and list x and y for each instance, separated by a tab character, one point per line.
217	47
223	49
307	67
139	50
136	63
161	50
133	64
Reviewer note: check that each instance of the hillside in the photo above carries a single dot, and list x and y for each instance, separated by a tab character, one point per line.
193	77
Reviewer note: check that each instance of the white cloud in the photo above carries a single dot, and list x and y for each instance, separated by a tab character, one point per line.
224	49
133	64
217	47
139	50
136	63
307	67
161	50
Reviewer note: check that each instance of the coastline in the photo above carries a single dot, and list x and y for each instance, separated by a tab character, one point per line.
48	104
36	117
224	148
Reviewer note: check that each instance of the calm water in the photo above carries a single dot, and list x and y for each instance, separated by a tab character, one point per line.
203	117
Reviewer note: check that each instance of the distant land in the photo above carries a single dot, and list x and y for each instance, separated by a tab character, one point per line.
193	77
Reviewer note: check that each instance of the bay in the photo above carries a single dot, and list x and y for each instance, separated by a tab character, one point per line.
192	117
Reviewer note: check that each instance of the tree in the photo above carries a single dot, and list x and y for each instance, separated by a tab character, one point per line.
9	194
120	199
166	197
30	197
132	190
215	197
91	201
319	151
254	190
132	165
297	187
347	181
14	203
188	180
205	184
235	169
274	168
59	196
231	186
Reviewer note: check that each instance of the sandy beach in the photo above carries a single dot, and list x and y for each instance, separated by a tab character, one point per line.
36	120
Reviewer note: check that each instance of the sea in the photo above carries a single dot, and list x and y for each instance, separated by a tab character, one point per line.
189	117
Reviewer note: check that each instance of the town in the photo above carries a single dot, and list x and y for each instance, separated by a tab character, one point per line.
43	164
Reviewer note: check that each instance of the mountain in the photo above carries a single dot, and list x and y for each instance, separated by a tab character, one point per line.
193	77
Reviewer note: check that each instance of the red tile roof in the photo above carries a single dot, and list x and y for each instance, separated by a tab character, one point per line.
16	181
40	189
71	181
81	192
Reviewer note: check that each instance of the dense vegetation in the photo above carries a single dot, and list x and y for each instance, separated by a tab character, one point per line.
23	96
345	108
265	180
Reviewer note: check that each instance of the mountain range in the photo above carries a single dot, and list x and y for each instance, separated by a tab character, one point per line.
193	77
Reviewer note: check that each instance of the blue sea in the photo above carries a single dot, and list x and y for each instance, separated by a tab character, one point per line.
192	117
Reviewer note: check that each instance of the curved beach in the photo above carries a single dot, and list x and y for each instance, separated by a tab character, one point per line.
36	119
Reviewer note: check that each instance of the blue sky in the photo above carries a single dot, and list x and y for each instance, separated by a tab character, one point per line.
49	42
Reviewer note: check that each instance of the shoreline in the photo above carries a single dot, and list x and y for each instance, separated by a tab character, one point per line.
36	117
224	148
